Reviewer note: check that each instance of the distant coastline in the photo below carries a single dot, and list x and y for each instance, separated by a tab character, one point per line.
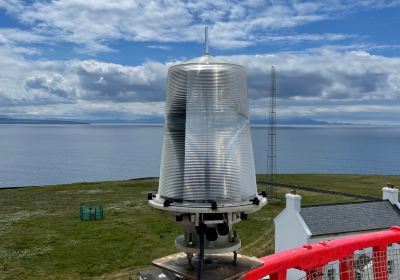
300	121
39	121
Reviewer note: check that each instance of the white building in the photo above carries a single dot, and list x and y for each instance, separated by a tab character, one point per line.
298	225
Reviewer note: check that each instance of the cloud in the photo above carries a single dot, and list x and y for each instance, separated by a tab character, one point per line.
324	84
121	83
325	75
55	85
95	25
15	35
98	81
295	38
79	88
335	81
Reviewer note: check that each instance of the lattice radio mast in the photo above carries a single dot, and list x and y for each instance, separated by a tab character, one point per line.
271	150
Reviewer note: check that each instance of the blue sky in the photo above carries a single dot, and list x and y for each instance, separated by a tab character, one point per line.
337	61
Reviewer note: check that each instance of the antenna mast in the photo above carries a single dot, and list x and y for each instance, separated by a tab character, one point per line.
271	150
206	40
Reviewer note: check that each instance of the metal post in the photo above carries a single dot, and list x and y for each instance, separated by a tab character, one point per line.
271	150
281	275
201	230
206	40
189	258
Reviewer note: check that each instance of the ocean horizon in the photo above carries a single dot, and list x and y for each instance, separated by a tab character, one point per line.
51	154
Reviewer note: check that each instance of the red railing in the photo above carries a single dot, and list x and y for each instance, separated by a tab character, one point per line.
313	258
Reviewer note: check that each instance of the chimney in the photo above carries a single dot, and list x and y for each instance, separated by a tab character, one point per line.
391	193
293	201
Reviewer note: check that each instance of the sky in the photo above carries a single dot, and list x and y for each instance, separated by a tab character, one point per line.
336	61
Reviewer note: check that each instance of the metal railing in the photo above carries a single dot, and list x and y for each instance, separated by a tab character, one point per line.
368	256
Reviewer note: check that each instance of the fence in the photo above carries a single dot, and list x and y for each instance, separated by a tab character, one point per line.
366	256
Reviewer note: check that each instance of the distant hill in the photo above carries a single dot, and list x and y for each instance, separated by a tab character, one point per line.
147	120
158	121
6	120
280	121
297	121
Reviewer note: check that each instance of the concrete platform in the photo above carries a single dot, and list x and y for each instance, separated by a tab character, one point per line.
216	267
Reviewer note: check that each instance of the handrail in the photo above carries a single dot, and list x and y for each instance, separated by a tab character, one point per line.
311	256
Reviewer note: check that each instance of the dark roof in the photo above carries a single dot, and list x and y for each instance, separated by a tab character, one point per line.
350	217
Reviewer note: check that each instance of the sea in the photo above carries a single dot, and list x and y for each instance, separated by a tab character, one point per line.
35	155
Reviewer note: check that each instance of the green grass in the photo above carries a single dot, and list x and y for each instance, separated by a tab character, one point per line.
365	184
42	237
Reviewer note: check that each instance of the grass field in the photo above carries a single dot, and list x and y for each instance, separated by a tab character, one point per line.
42	237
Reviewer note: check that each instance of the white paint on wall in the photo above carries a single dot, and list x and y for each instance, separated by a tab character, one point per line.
291	231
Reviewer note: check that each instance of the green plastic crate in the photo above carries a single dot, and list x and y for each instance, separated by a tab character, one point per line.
91	212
